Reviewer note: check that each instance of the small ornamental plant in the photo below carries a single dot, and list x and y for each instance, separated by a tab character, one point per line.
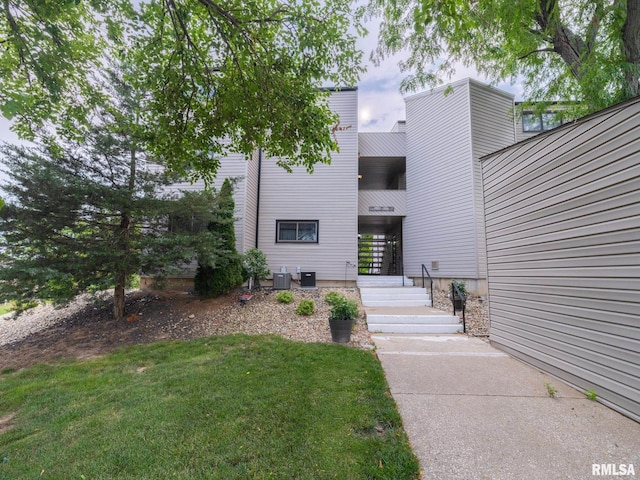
306	307
332	297
343	309
284	297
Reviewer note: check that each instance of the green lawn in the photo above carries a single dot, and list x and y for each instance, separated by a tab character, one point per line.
6	307
221	407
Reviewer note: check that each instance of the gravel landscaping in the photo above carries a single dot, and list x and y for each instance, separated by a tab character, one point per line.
85	327
476	312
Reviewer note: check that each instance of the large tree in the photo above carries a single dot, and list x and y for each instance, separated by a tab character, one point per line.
90	213
222	75
583	51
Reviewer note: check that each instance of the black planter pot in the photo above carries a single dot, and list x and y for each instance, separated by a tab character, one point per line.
341	330
457	303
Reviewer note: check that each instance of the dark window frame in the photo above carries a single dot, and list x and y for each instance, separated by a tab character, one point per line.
543	121
298	222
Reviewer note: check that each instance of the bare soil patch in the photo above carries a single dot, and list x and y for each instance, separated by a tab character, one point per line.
90	331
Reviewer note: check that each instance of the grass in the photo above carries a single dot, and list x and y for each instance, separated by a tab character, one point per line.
551	390
7	307
221	407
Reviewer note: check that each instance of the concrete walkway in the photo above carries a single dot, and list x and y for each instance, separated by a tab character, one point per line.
473	412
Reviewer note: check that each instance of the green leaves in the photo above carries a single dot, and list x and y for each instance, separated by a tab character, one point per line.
565	52
220	78
87	212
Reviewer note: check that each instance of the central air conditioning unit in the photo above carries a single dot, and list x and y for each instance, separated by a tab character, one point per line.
308	279
281	281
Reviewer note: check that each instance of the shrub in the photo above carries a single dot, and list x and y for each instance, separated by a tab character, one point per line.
332	297
306	307
344	309
461	285
284	296
227	273
255	266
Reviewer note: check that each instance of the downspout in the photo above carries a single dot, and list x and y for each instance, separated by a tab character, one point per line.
258	194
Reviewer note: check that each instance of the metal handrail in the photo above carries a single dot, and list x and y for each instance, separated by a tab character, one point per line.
463	298
424	269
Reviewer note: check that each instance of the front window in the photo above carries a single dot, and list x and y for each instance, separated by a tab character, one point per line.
302	231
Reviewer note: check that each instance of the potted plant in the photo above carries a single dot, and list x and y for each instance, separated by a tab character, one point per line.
341	319
458	294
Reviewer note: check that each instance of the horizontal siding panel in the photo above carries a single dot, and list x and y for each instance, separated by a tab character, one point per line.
397	199
614	193
586	181
625	405
598	339
561	347
567	143
562	222
610	260
613	239
557	302
440	222
584	369
566	291
600	272
632	284
551	237
382	144
329	195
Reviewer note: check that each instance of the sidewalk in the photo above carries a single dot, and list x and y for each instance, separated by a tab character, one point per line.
473	412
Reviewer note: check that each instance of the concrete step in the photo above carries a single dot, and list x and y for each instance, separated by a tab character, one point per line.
423	320
436	329
376	291
427	319
395	297
383	281
399	302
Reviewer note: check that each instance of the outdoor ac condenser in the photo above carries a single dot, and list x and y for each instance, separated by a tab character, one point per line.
281	281
308	279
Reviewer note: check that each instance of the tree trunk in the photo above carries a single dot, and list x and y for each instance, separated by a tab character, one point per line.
121	279
566	43
631	47
118	297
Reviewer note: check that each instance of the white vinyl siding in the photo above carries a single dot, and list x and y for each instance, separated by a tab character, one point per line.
444	208
381	145
382	202
491	129
440	223
329	195
563	239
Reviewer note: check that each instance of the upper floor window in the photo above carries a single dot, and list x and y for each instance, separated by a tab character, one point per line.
540	122
303	231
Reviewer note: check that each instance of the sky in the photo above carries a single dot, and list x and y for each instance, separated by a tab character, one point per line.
380	103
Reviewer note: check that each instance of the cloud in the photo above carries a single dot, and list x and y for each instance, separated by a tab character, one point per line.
380	103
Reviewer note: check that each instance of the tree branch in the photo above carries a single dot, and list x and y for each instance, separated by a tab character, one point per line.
533	52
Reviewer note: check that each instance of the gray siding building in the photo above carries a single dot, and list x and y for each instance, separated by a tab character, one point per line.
448	130
389	202
562	213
